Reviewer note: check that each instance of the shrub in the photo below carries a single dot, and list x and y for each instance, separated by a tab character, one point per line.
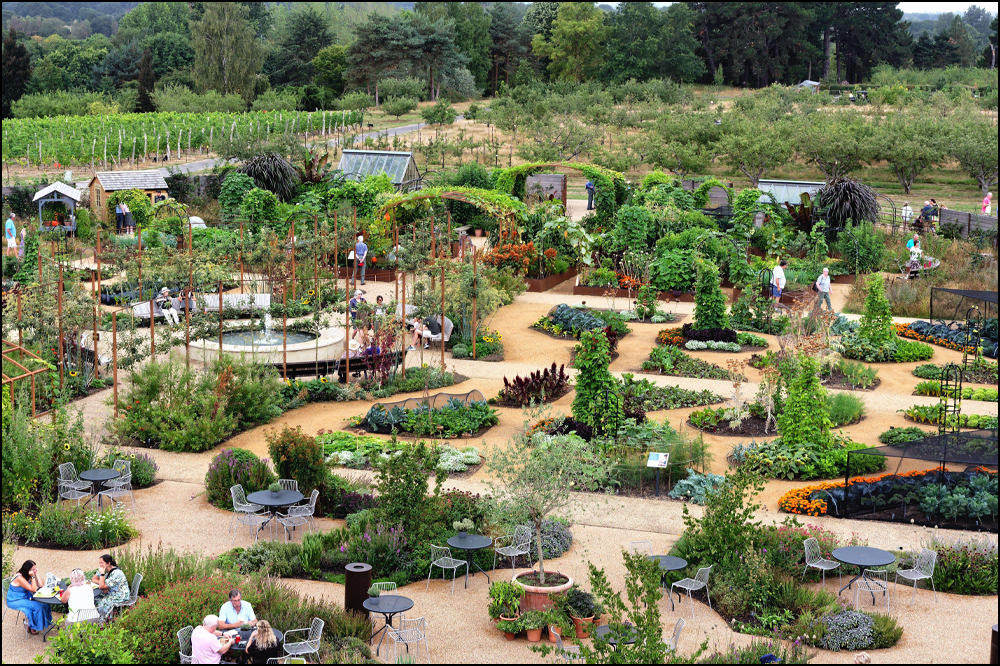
162	567
897	436
86	643
234	188
844	409
876	323
885	631
79	529
297	456
673	361
539	387
848	630
259	205
908	351
594	380
696	487
710	304
804	421
232	467
556	537
964	566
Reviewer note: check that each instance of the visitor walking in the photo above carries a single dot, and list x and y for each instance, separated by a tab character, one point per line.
24	242
988	204
360	255
119	217
778	280
166	305
823	289
935	214
590	194
10	233
906	214
129	222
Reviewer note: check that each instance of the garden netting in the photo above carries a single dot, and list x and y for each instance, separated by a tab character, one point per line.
437	401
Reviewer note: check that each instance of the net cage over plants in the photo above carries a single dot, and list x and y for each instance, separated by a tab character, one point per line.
946	480
437	401
953	310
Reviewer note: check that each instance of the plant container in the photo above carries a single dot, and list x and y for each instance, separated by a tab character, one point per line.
537	598
534	635
582	626
554	633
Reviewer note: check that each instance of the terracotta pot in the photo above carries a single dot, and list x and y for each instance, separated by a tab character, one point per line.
537	598
554	633
534	635
582	626
479	233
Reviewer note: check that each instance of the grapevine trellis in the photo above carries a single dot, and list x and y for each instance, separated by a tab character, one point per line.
134	138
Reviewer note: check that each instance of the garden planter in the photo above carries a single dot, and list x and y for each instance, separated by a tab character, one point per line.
534	635
844	279
600	291
479	233
274	495
737	292
379	275
544	284
757	252
791	297
554	633
582	626
537	598
462	535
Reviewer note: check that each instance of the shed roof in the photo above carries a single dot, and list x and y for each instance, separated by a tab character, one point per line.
359	164
788	191
60	188
112	181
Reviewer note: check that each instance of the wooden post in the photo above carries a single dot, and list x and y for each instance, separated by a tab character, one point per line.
60	305
433	253
442	318
241	257
395	250
98	258
347	338
354	239
97	365
221	319
152	329
475	283
284	328
114	357
293	259
140	264
20	332
336	253
316	261
449	230
404	323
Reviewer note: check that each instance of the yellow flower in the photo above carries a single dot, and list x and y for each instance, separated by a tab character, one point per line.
72	374
66	446
305	301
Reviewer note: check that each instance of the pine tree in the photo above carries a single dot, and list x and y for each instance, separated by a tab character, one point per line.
16	70
146	83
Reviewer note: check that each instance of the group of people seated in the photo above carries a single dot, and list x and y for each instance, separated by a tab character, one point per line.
211	645
107	589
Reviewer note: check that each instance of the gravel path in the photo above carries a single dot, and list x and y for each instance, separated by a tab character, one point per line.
603	525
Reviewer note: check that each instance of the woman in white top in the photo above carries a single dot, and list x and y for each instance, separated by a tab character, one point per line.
79	596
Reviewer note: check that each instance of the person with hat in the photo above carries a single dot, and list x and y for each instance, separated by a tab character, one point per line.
360	255
166	305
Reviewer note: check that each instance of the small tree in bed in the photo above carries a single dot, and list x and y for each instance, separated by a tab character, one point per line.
710	303
537	473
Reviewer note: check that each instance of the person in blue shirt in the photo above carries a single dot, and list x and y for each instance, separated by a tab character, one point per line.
590	194
119	217
10	233
913	242
360	256
236	612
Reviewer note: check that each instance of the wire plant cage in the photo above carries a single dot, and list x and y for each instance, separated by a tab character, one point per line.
945	480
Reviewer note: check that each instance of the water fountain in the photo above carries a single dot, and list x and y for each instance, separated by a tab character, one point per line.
265	345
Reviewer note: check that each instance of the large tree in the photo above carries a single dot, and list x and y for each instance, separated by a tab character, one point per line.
754	146
909	144
147	82
16	70
633	47
965	46
434	50
837	143
869	34
973	142
382	46
228	56
680	61
329	67
575	48
507	42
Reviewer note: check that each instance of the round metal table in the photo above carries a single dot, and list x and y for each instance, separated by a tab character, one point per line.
864	558
471	543
97	477
604	631
245	636
388	606
56	601
282	500
667	564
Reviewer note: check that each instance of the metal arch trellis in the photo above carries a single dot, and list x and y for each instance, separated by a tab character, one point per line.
892	204
973	334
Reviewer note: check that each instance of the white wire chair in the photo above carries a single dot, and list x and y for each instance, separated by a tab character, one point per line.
520	544
184	641
69	478
409	632
641	548
124	468
89	616
814	559
570	654
297	516
675	639
133	597
289	484
923	569
699	582
71	494
245	513
6	589
308	645
122	488
873	582
441	558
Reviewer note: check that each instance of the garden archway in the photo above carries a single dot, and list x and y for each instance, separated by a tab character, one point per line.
610	185
508	210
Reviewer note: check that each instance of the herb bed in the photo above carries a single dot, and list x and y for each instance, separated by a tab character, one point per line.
838	380
752	426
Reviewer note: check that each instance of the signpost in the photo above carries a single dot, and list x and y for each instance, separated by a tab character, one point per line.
658	461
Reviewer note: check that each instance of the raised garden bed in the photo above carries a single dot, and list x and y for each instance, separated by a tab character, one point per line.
674	362
752	426
550	282
838	380
982	372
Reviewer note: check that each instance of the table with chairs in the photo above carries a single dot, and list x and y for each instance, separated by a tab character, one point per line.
470	543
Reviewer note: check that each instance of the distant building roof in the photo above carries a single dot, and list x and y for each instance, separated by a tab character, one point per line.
788	191
60	188
359	164
113	181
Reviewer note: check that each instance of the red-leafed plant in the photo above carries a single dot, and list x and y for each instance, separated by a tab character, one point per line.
539	387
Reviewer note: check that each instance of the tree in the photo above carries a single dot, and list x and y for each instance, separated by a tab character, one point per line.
146	83
508	116
121	64
397	107
382	46
908	143
306	33
440	114
472	37
680	60
754	147
837	143
170	52
594	381
974	144
434	49
227	54
16	71
576	46
710	304
506	42
924	53
868	34
965	46
150	18
633	47
536	474
329	67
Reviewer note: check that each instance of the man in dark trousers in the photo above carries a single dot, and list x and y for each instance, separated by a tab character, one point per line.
590	195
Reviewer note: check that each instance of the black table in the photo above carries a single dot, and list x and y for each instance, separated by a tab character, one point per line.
283	499
245	636
667	564
864	558
604	631
388	606
97	478
56	601
470	543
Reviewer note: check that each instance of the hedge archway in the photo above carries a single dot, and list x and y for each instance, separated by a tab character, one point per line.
610	185
509	211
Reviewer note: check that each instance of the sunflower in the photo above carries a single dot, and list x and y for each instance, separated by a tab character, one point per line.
133	456
323	380
73	373
305	301
311	292
66	446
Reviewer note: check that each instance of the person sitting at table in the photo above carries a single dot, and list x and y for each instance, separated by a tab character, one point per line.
236	612
79	596
263	644
206	647
20	597
112	581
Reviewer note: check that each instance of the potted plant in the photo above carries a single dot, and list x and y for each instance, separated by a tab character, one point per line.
533	623
463	527
275	489
558	622
510	628
505	601
582	610
374	592
246	627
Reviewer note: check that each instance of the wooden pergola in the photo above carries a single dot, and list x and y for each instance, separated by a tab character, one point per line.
10	350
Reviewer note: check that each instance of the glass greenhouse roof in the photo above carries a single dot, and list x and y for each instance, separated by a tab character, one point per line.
358	164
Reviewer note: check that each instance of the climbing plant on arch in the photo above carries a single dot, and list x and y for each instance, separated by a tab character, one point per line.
610	185
508	211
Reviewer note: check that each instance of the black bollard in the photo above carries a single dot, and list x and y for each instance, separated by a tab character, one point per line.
993	646
356	584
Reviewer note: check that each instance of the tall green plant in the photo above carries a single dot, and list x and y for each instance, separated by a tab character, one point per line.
594	381
401	484
876	322
804	420
727	525
710	304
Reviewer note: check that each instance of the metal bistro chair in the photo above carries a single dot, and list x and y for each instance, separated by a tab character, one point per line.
570	654
923	569
6	589
70	485
520	544
244	511
286	660
297	516
700	582
72	494
184	641
308	645
641	548
383	588
84	617
873	581
814	559
409	632
289	484
441	558
123	467
678	628
134	596
122	488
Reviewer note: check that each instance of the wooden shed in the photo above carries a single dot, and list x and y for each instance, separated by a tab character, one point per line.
104	183
550	186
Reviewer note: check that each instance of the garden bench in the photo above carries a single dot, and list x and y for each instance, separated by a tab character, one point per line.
326	368
141	310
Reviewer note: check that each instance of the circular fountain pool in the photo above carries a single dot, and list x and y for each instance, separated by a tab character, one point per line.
260	339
